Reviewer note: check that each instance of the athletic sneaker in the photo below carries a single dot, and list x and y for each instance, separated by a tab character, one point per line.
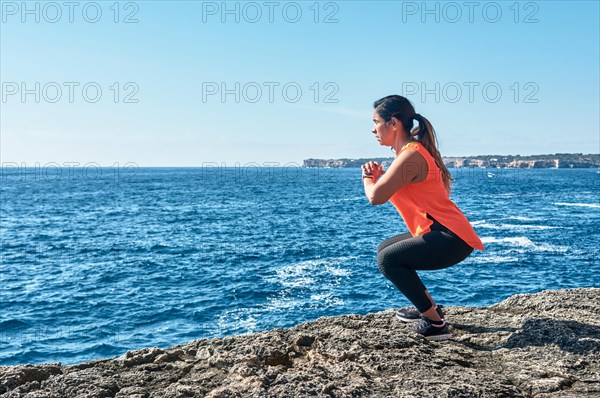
431	332
413	315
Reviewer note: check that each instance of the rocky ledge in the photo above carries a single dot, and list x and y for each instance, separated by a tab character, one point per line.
533	345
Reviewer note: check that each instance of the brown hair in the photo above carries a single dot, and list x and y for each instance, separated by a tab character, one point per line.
403	110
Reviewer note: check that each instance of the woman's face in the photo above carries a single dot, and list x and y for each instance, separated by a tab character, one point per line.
383	131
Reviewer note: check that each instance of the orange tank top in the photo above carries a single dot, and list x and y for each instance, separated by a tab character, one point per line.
415	201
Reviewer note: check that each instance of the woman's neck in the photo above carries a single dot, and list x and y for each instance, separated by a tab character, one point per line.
401	142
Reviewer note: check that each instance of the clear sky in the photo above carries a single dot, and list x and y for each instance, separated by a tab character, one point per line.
179	83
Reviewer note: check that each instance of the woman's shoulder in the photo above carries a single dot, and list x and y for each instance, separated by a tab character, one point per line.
415	145
410	144
422	150
414	152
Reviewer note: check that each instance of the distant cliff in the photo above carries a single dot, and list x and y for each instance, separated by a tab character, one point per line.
558	160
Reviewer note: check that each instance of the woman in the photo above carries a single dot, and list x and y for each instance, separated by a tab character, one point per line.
418	185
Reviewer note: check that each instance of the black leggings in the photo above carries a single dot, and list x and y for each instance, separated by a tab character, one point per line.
399	257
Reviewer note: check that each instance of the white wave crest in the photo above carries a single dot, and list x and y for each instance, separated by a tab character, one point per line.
497	259
309	272
523	244
513	227
521	218
246	318
356	198
592	205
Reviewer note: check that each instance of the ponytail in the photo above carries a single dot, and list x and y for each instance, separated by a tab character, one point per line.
425	134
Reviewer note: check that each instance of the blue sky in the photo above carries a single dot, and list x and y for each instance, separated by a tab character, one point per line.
533	68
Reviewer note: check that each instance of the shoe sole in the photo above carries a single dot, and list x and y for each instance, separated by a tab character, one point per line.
400	317
439	337
407	319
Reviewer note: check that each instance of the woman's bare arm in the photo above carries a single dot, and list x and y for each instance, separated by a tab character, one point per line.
408	166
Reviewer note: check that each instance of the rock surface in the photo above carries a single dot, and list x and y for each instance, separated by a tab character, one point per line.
539	345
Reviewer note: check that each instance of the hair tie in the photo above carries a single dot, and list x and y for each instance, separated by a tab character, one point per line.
416	116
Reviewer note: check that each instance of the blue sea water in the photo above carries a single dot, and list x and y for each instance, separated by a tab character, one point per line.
95	262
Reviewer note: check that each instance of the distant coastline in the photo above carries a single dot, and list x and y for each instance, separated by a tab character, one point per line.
555	161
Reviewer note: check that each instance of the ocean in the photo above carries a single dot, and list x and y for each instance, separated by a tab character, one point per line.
99	261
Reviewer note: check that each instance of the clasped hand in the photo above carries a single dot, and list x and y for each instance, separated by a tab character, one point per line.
372	168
